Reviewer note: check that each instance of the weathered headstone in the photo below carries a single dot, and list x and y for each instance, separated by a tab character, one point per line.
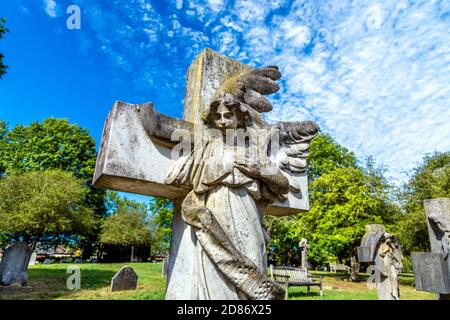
14	265
125	279
382	249
137	155
432	269
33	259
165	267
304	251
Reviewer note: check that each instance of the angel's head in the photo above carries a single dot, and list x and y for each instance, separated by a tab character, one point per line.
227	112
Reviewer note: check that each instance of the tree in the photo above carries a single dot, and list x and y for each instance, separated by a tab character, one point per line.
39	204
54	144
129	225
162	211
3	31
429	180
326	155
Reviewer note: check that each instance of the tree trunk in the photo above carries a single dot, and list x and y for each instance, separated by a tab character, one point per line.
354	267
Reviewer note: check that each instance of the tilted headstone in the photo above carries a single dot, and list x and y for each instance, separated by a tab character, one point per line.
33	259
432	269
14	265
125	279
382	249
304	251
137	155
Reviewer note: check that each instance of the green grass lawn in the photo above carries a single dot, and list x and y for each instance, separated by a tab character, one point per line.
49	282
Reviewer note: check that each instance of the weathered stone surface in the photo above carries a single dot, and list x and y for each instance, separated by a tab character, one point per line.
382	249
431	272
129	159
432	269
438	221
369	243
125	279
14	265
33	259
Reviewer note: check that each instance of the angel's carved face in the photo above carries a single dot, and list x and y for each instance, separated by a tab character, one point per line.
225	117
225	114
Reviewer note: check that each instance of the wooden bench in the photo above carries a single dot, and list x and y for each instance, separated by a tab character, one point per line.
335	267
294	277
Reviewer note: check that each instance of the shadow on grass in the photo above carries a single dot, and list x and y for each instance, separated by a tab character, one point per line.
52	283
298	294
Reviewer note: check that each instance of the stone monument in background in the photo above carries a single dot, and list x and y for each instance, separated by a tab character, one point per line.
432	269
303	244
223	166
382	249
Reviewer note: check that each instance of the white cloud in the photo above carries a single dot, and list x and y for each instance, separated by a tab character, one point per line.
50	8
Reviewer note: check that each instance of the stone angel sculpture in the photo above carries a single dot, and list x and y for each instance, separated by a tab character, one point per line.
235	170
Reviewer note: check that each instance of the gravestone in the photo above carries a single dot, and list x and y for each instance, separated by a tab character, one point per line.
14	265
304	251
125	279
165	267
140	153
432	269
33	259
382	249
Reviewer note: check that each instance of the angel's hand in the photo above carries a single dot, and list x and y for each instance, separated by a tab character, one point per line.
249	167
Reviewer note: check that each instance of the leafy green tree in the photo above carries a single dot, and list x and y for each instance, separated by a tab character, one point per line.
344	202
129	225
54	144
429	180
39	204
3	31
326	155
162	211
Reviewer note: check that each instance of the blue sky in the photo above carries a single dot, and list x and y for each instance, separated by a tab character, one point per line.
373	74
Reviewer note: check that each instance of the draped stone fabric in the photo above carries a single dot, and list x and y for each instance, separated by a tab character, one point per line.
225	209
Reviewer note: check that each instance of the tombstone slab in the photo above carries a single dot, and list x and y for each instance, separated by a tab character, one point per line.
14	265
125	279
432	269
431	272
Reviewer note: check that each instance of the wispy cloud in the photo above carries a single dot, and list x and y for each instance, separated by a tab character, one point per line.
374	74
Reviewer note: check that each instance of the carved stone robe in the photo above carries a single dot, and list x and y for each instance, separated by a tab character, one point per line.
225	210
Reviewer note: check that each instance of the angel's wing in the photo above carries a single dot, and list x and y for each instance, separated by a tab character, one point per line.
295	138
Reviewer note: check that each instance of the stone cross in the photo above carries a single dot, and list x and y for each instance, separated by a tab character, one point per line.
382	249
432	269
137	149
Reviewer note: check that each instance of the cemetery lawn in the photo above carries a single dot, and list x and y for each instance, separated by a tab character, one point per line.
49	282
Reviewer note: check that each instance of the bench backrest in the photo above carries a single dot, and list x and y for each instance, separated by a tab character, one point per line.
283	274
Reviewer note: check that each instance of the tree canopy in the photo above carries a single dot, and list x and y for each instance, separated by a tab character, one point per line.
344	197
39	204
429	180
129	224
55	144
